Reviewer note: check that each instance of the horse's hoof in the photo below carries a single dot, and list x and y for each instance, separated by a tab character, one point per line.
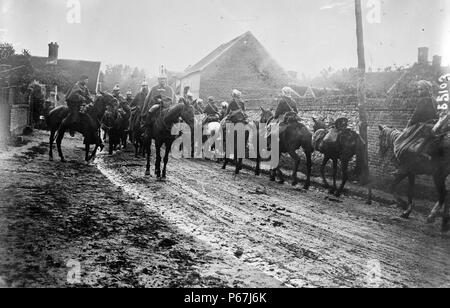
306	186
338	194
331	191
147	173
272	179
405	215
295	182
281	182
257	173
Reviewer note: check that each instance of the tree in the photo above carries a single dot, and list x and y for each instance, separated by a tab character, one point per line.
6	51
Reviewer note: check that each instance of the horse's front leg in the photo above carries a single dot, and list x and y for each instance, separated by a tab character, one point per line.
322	172
52	139
296	159
344	178
439	182
61	133
335	172
86	152
166	159
146	147
411	184
280	175
399	177
308	154
238	165
158	161
94	152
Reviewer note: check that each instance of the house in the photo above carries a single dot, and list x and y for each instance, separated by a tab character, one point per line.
69	69
243	64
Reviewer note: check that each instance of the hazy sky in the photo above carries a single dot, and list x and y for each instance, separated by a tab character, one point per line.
302	35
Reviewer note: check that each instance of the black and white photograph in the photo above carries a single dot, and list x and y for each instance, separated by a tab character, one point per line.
224	149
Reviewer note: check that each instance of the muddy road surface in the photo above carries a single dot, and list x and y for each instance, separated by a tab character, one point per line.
300	238
67	225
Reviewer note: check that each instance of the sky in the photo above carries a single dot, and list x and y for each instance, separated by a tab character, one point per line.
301	35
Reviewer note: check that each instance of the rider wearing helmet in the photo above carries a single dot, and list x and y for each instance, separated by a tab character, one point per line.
76	96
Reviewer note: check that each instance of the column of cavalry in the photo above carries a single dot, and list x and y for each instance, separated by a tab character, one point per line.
150	115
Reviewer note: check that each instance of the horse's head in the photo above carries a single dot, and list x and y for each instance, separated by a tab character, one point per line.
104	100
188	114
385	138
265	115
319	124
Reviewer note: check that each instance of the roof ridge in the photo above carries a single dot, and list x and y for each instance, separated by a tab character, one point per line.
215	54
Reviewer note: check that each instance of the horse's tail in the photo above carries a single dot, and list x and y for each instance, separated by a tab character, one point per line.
362	161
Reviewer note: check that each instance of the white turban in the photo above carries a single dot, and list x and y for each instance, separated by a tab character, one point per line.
116	88
236	93
224	105
286	91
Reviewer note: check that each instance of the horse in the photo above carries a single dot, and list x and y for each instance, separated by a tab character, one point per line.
159	129
412	165
115	123
88	126
293	135
136	132
347	144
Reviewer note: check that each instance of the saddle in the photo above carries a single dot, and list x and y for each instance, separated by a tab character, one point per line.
332	135
419	141
282	121
210	119
237	116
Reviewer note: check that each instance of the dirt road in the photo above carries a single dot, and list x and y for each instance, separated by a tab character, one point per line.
203	227
303	239
66	225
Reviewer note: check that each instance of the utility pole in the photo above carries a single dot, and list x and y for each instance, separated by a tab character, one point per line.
361	86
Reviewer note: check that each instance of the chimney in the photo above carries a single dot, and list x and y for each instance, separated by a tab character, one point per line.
53	53
423	55
437	61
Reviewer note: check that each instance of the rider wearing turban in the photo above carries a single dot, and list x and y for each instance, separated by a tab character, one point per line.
286	103
236	103
417	135
426	107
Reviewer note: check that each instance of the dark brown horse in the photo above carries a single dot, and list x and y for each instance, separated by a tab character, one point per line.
343	149
136	132
412	165
293	135
160	130
115	123
88	126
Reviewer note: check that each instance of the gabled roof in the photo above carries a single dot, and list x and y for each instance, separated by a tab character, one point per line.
72	69
215	54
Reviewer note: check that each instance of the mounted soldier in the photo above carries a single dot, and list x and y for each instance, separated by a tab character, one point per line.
236	109
223	110
211	112
420	130
160	97
185	97
286	110
198	106
77	96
